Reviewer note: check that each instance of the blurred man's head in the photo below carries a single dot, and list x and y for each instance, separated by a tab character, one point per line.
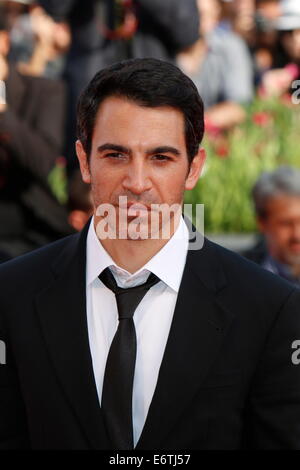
288	25
277	202
210	12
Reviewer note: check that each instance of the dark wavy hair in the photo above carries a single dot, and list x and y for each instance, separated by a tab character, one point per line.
149	83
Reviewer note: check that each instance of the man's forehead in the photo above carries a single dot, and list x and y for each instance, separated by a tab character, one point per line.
283	204
284	198
119	119
115	103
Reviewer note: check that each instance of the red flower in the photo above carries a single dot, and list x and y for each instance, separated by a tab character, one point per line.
261	118
222	151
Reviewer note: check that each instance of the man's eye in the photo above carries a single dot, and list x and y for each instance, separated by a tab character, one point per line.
114	155
161	158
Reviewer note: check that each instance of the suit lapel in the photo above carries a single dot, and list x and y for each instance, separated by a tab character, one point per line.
196	335
61	310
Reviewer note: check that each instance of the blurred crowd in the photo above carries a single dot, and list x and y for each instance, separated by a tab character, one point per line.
234	50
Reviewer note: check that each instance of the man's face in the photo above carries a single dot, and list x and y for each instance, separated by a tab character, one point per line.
140	153
291	43
282	228
209	11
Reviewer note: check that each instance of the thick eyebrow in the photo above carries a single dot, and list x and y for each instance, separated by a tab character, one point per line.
152	151
164	149
115	147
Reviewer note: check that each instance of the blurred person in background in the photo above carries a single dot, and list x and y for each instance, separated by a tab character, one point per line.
243	21
221	67
51	42
38	43
31	137
266	36
276	197
106	31
286	69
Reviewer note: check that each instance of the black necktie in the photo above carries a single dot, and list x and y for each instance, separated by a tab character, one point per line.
116	400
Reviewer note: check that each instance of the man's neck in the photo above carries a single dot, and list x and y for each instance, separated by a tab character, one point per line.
134	254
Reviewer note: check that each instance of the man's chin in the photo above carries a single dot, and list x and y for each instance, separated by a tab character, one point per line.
137	231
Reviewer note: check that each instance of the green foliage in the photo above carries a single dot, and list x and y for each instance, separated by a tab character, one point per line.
269	137
57	180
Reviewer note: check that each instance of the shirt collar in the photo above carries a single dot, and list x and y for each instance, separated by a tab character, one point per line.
168	264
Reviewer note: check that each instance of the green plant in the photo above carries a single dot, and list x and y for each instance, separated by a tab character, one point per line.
57	180
269	137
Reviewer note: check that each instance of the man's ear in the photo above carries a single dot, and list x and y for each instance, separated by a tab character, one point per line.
195	169
83	162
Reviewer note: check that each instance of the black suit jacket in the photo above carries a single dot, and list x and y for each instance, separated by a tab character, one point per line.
227	380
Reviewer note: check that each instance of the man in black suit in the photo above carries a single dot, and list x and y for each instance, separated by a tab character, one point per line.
276	197
209	360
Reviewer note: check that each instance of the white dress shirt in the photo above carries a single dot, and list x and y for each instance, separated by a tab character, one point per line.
152	317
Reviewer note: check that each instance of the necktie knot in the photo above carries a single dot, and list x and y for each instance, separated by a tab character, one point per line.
127	298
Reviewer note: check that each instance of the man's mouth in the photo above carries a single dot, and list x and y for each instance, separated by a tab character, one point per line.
133	207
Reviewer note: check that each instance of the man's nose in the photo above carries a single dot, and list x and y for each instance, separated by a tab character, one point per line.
137	179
